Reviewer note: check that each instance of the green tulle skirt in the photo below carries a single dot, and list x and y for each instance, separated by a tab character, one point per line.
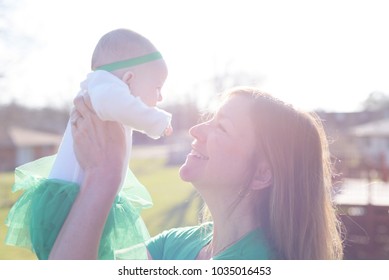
36	218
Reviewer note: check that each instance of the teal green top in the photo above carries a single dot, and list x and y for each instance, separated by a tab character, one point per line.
186	243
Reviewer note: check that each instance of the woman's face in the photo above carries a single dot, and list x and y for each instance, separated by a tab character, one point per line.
222	148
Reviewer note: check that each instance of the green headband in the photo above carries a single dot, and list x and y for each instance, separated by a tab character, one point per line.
130	62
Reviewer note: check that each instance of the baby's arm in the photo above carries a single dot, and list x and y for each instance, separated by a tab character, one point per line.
112	100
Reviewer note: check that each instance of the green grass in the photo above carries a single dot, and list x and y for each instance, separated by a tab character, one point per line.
7	198
168	192
11	252
171	197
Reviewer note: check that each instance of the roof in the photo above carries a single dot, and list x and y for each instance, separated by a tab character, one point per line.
22	137
378	128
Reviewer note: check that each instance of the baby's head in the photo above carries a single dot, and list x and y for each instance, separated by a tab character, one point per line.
135	60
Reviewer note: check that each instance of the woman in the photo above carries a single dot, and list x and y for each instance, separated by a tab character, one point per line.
261	166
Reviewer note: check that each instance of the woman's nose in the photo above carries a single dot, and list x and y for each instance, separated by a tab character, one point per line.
198	131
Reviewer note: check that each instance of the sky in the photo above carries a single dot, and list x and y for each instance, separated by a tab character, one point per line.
327	55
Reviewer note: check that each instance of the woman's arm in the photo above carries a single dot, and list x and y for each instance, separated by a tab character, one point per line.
100	149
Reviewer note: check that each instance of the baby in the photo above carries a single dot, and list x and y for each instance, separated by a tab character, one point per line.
125	86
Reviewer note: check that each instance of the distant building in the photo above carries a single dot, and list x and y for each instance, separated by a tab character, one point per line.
373	140
360	140
19	145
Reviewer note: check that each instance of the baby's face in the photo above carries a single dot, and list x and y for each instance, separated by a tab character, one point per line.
148	80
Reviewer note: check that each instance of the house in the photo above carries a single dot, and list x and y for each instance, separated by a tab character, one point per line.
373	140
354	141
20	145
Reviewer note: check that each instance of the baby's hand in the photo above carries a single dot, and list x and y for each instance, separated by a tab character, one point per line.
168	131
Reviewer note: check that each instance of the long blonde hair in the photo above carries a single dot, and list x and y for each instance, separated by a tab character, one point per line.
296	212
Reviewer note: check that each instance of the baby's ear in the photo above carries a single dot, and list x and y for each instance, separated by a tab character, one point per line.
127	77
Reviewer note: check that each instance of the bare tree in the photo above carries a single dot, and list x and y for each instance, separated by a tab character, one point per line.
377	100
3	23
230	76
14	43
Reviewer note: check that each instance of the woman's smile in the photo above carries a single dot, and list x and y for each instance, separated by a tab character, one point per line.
197	155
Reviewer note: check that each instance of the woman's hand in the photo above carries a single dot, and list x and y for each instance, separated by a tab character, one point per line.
100	146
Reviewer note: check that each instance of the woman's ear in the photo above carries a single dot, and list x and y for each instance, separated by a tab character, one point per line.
127	77
263	177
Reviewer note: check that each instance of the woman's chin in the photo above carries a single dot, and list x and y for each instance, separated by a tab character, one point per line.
192	169
187	173
184	173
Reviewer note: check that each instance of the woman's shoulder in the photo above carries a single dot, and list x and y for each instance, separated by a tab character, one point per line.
181	242
253	246
189	231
